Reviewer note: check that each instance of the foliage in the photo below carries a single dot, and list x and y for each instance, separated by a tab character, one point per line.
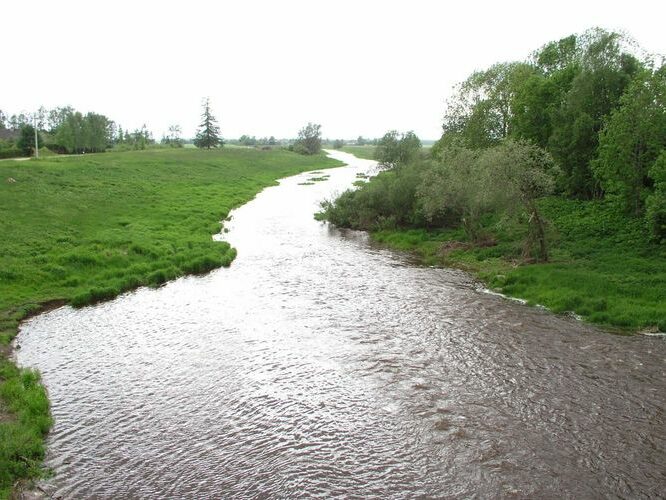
389	200
480	113
78	133
246	140
173	138
395	149
633	138
338	144
208	135
559	100
506	180
309	140
656	201
10	152
26	141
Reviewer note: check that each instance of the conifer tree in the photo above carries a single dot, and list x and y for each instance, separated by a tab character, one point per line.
208	135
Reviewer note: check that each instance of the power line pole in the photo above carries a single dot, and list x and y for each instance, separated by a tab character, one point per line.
36	139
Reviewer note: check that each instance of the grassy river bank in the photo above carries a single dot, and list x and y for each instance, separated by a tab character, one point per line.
602	269
86	228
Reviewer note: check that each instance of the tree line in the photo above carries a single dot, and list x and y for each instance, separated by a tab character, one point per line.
583	118
66	130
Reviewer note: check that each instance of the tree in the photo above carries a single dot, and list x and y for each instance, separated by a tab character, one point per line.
208	135
506	179
633	138
395	149
656	201
522	173
77	133
173	138
604	70
481	112
26	140
360	141
338	144
309	140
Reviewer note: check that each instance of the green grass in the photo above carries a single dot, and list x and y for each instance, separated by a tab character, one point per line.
85	228
366	152
601	267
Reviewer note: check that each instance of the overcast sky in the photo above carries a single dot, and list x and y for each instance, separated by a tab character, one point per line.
356	67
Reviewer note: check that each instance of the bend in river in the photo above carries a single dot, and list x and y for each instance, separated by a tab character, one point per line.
320	364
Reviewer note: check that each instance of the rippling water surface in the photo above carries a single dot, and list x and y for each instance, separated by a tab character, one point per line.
319	364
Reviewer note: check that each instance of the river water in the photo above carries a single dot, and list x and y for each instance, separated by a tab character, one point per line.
321	365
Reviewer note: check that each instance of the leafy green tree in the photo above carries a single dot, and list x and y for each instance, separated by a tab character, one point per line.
26	140
395	149
522	173
208	135
457	185
338	143
83	134
272	141
309	140
360	141
656	201
57	117
506	179
633	138
605	72
481	112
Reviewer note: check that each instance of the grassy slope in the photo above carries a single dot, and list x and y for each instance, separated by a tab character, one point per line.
601	267
87	228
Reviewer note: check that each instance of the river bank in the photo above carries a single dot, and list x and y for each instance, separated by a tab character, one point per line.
87	228
601	269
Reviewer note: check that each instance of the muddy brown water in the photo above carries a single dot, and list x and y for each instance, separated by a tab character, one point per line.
321	365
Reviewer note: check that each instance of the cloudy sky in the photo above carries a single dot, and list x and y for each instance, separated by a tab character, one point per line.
356	67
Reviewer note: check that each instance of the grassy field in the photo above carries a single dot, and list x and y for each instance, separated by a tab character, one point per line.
367	152
85	228
601	267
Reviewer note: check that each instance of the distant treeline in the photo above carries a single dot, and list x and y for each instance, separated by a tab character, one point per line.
65	130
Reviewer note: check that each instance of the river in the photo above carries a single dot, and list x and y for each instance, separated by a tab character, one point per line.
319	364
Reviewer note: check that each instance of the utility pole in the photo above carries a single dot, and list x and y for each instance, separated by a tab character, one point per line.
36	139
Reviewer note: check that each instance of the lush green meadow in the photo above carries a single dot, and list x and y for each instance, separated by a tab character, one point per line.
601	268
86	228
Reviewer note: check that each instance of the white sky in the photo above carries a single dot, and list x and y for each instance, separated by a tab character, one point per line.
356	67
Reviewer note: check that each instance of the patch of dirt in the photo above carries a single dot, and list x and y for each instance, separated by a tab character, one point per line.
450	246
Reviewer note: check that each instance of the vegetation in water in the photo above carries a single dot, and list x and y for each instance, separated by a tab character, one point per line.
87	228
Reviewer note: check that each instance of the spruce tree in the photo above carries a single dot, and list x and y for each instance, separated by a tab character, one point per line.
208	135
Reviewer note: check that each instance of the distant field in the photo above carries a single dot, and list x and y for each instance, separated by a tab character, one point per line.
86	228
367	152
